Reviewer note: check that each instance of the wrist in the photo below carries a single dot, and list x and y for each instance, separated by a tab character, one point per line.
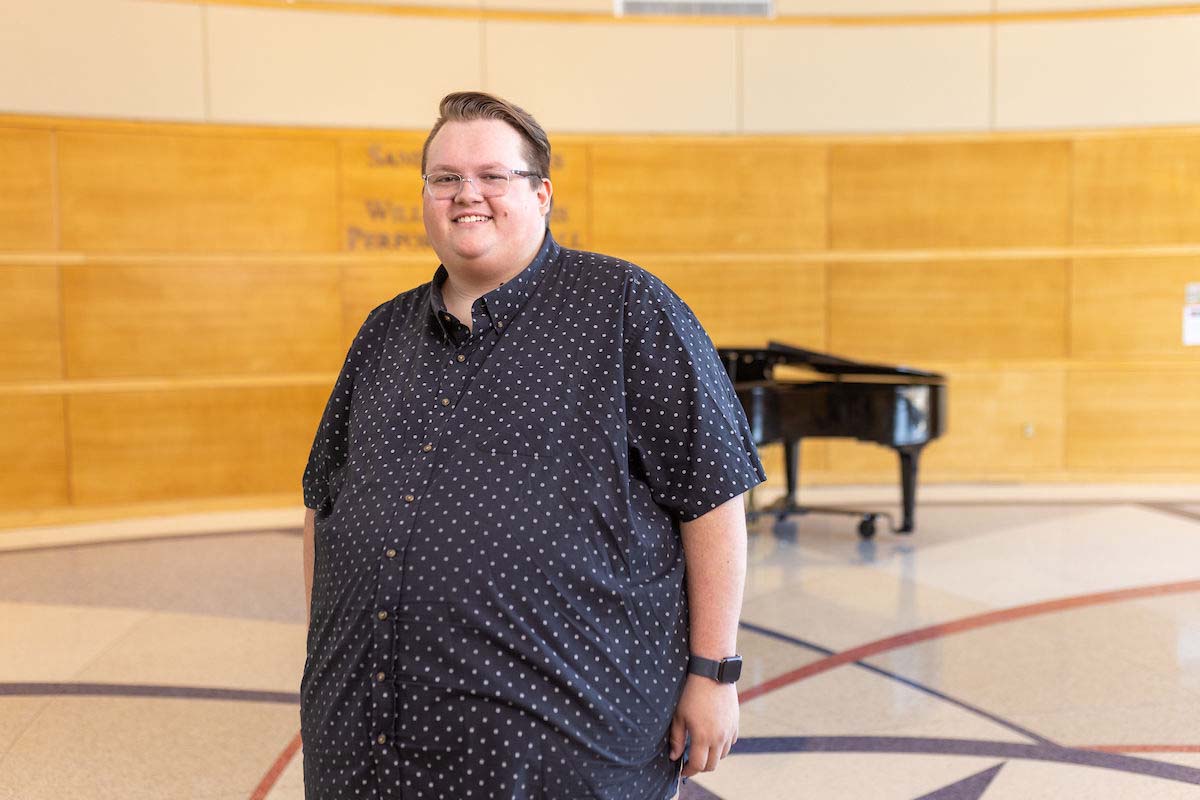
724	670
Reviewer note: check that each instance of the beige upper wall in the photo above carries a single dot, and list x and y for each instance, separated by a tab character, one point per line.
613	78
308	67
102	58
1119	72
221	62
866	79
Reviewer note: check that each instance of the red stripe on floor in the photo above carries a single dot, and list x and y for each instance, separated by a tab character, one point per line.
960	626
268	782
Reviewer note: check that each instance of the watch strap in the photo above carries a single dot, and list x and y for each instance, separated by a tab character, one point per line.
725	670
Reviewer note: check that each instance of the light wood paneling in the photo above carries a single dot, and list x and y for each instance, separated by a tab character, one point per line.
668	195
33	454
1134	419
208	319
1137	190
1000	421
1130	307
947	310
381	194
26	190
147	446
949	194
365	286
160	191
748	303
29	323
570	172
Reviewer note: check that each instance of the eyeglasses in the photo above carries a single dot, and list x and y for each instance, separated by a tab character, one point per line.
444	185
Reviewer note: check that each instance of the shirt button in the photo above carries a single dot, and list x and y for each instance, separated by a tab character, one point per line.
461	358
408	498
381	676
499	325
426	448
390	552
382	616
445	401
382	739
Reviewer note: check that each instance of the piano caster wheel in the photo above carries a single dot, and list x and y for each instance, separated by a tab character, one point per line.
866	527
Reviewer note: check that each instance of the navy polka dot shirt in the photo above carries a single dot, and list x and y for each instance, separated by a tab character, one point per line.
498	604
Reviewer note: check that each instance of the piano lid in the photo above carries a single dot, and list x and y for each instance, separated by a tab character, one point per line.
779	353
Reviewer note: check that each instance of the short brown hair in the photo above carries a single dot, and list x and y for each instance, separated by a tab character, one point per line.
468	106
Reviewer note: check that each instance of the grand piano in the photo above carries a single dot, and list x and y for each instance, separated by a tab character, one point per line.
899	407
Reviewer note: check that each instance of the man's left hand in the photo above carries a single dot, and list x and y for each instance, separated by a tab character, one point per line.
708	714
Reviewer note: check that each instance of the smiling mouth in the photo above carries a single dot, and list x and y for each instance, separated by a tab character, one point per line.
472	218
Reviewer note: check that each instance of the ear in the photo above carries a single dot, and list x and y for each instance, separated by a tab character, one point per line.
544	193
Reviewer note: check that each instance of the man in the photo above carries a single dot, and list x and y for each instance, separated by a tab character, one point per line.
519	464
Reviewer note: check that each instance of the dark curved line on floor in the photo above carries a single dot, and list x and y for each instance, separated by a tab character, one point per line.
41	548
146	690
920	687
918	745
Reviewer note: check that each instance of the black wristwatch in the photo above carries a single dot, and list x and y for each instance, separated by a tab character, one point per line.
727	670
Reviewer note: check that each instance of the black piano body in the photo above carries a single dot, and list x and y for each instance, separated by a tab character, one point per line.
898	407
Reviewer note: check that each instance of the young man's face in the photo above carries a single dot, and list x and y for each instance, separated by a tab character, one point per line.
484	235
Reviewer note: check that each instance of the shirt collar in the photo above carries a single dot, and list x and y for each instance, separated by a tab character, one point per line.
504	302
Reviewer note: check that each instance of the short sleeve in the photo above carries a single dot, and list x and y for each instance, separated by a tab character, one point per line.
688	434
330	452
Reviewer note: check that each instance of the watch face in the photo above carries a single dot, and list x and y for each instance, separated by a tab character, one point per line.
730	670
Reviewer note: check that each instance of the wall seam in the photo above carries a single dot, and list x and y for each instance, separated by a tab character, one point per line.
56	221
825	264
1069	343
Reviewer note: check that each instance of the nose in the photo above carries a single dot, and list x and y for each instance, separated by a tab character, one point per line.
466	195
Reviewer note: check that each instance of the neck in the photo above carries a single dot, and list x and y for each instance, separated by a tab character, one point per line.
466	283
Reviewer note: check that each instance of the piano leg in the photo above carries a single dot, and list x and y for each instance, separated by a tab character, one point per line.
909	460
791	465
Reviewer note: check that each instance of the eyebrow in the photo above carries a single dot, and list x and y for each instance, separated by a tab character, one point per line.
459	171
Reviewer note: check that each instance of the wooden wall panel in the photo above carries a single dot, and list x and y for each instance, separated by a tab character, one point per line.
1135	419
131	447
948	310
29	323
949	194
201	319
1134	190
747	303
26	190
161	191
381	193
1001	421
571	216
1130	307
364	286
679	195
33	454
